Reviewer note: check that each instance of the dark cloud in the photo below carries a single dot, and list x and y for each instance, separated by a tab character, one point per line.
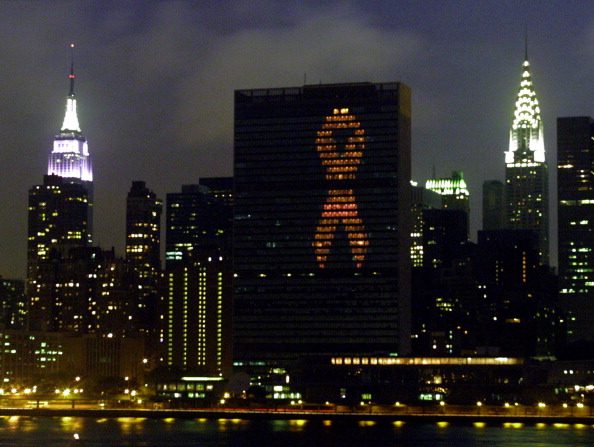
156	80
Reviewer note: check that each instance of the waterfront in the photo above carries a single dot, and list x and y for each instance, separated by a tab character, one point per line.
222	432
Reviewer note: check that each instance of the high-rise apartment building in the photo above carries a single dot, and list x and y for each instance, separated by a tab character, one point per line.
526	178
493	205
143	231
322	221
575	187
197	315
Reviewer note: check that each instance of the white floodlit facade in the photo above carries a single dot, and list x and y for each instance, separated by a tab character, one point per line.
70	156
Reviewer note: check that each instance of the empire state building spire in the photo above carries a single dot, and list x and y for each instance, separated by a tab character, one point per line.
70	118
70	155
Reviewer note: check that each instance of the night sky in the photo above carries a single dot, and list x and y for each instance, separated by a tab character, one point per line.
155	84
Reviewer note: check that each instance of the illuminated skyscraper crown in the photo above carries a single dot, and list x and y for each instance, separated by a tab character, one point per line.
70	155
526	143
455	186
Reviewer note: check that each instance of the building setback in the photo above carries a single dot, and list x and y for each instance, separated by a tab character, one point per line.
575	186
322	221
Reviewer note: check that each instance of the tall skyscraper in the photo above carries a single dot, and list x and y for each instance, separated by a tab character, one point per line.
526	178
517	311
199	218
143	231
454	194
453	191
493	205
60	211
197	333
575	186
445	231
70	158
421	199
322	221
198	316
143	255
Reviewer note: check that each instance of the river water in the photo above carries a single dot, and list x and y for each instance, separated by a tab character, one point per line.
87	432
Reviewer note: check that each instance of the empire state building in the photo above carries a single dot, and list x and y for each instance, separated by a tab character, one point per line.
70	158
526	176
70	155
59	215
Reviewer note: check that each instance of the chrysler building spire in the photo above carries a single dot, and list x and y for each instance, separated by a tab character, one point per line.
70	155
526	141
526	174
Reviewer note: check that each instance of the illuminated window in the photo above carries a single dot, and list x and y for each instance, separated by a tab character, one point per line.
340	145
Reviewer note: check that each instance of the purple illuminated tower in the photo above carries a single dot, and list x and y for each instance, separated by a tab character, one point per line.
70	158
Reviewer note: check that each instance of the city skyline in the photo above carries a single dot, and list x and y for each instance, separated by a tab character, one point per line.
146	105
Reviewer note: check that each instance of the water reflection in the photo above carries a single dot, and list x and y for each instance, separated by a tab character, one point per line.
129	425
227	432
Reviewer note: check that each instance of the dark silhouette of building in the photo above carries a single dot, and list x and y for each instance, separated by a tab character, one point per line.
13	304
575	186
143	255
444	233
57	222
322	221
445	285
421	199
493	205
199	218
526	178
519	315
220	187
143	231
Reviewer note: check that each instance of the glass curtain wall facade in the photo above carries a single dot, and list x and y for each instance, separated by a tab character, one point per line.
575	183
322	221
